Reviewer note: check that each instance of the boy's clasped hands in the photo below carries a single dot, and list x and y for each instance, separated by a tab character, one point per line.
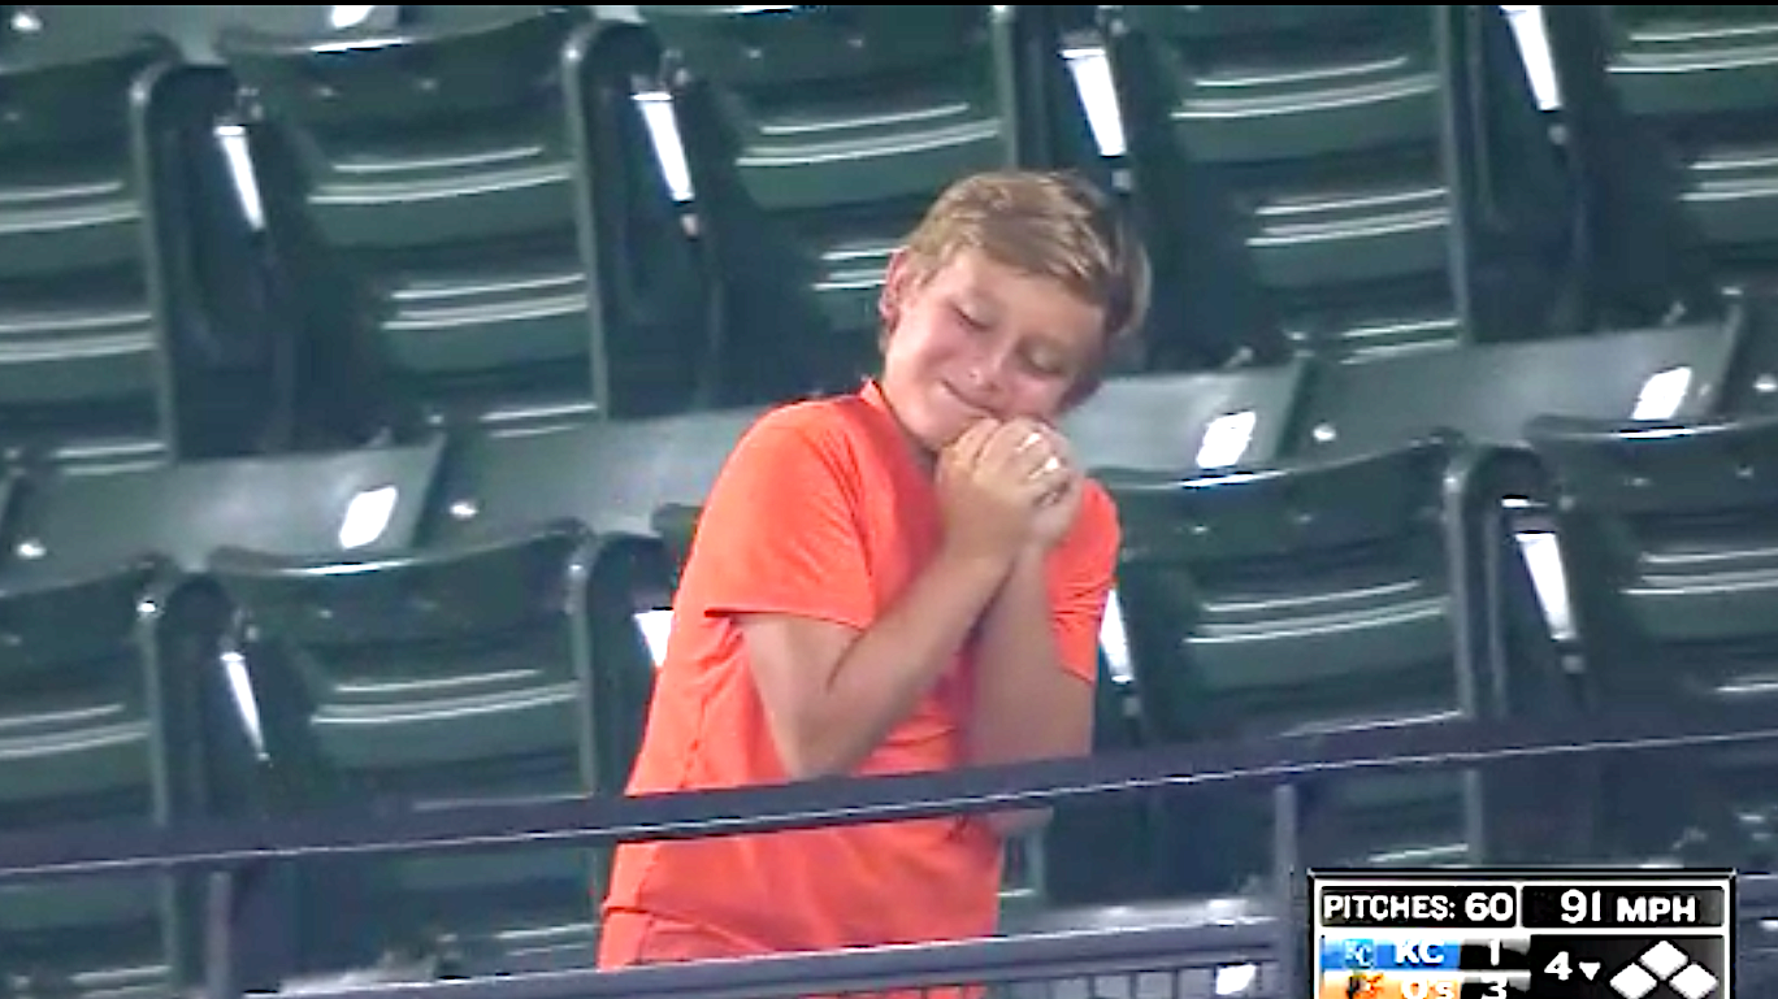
1007	487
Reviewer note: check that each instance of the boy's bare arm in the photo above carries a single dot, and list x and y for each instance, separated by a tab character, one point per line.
1028	706
832	693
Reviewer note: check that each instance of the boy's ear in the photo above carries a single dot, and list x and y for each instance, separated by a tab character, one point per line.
895	286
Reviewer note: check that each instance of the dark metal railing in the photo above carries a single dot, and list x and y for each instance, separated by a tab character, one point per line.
229	849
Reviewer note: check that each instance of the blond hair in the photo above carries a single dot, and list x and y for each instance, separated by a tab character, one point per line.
1051	223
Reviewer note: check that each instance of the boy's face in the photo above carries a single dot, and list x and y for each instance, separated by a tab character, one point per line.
977	339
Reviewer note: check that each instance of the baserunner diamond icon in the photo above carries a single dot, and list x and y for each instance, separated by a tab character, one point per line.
1633	982
1664	959
1695	982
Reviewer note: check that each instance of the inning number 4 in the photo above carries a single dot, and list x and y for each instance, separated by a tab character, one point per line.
1558	967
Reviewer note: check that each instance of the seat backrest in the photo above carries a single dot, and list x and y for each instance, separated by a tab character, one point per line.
1487	392
69	525
1667	543
1321	178
1304	598
1666	535
95	734
1196	421
424	679
1679	467
459	199
610	476
1667	109
816	136
1297	596
72	264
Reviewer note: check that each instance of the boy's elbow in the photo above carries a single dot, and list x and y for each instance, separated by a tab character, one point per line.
808	756
800	767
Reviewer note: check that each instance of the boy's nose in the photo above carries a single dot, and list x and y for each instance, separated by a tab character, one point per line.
986	375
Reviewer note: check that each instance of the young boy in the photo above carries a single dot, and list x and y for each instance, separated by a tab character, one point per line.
910	578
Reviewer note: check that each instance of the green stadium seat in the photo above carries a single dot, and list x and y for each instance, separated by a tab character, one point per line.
1188	421
116	677
90	687
610	476
470	207
493	656
816	136
1666	537
1337	180
1668	112
1488	392
423	680
1309	597
68	521
126	321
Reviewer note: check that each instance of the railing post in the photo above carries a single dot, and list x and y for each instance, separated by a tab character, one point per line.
231	899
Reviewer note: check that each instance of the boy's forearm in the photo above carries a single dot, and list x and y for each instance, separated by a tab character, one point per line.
888	667
1028	705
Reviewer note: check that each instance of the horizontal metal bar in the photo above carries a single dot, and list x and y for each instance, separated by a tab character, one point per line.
119	849
990	961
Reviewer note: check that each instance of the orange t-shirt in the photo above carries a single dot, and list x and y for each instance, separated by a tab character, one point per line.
822	510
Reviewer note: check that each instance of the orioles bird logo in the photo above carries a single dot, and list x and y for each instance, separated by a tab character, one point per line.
1364	985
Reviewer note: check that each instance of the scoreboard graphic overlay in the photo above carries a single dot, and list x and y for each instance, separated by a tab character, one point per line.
1537	934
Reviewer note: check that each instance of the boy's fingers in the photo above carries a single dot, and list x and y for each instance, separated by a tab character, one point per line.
967	448
1059	444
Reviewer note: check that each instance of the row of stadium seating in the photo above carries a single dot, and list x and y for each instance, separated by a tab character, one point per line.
1307	546
343	486
229	229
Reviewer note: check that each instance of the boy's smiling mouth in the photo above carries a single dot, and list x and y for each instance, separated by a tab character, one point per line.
975	409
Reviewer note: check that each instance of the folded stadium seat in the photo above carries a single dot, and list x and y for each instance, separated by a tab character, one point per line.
86	690
1487	392
610	478
491	659
128	331
1669	116
468	205
1340	180
816	136
69	521
1309	597
1167	422
1182	423
115	698
1189	421
424	681
1667	537
1668	112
